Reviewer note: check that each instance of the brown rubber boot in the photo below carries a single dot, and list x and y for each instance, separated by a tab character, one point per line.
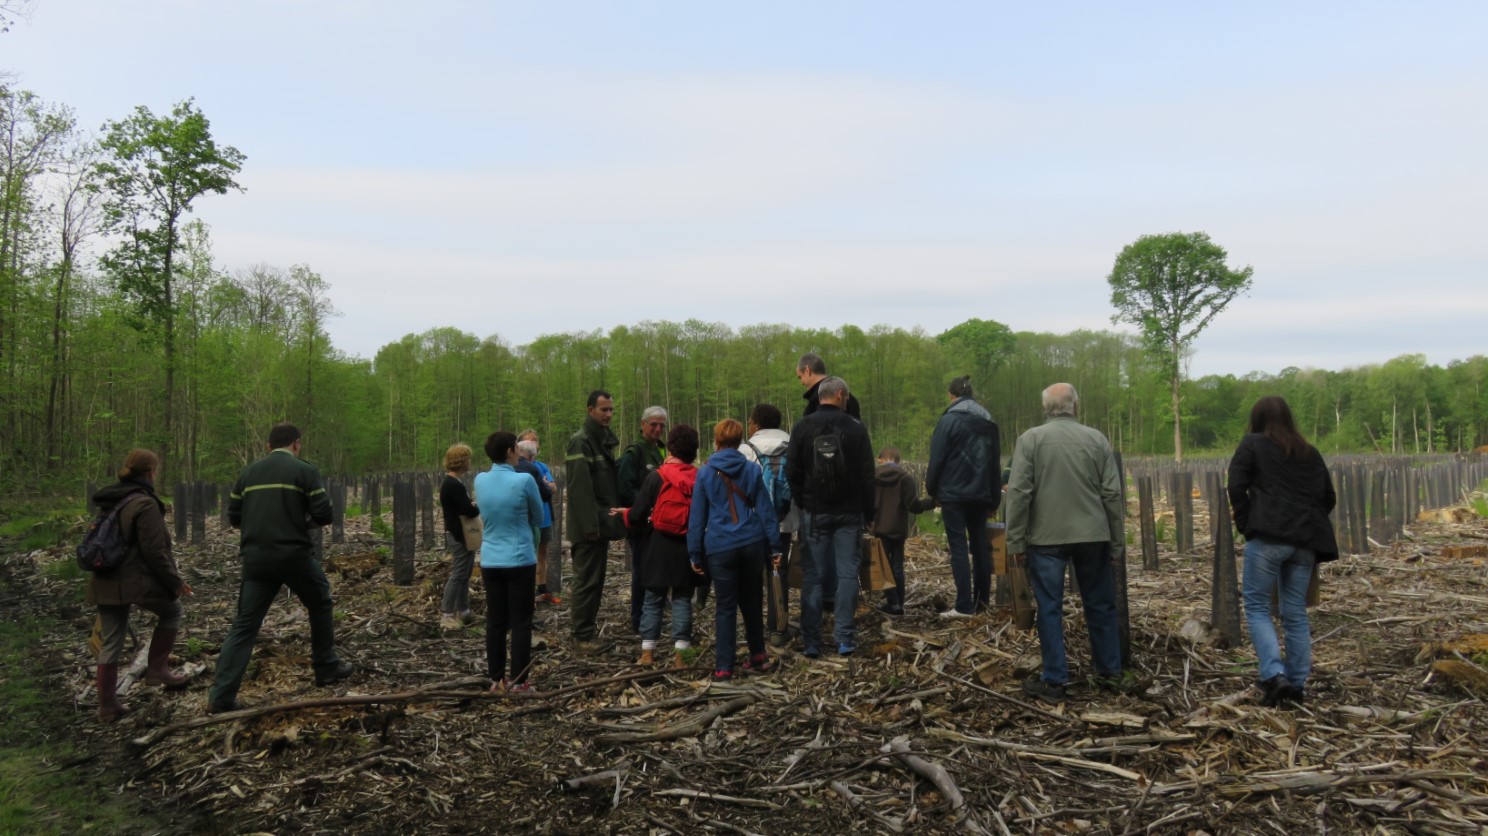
648	657
109	707
159	672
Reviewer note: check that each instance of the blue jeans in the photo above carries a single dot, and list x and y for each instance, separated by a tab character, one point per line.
966	531
1267	563
832	541
655	602
738	581
1046	570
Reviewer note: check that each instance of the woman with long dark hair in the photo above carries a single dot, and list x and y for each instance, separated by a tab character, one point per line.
1281	495
148	578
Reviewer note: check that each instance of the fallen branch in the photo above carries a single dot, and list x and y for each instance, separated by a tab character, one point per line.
935	774
708	796
436	691
1308	783
853	801
697	725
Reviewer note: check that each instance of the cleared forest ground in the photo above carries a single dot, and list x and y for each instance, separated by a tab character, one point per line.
1384	743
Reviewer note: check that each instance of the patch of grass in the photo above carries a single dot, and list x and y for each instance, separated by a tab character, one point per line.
66	569
1480	506
352	510
381	527
41	530
36	795
1160	530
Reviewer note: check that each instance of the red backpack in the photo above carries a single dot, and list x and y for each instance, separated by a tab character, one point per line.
674	500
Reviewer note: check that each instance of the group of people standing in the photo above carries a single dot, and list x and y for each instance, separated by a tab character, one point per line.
731	524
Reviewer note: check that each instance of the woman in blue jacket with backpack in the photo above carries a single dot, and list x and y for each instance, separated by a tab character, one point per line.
733	527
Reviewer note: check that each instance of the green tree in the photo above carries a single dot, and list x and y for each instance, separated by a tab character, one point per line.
155	167
1172	286
978	347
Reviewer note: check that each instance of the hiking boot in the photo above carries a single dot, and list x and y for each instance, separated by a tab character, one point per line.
812	653
449	622
679	661
779	640
110	710
722	676
890	609
224	707
468	618
589	647
1272	690
1292	697
955	613
159	672
758	663
648	657
1043	691
846	650
340	671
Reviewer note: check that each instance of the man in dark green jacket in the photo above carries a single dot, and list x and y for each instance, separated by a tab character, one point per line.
644	455
592	490
274	503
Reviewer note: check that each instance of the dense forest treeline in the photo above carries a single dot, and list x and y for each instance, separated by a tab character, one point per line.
114	314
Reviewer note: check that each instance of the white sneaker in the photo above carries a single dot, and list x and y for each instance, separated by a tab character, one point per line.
955	613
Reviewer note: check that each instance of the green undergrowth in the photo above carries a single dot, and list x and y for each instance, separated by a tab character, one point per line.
42	790
33	528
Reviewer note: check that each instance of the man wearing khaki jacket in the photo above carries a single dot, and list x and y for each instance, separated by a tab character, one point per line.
1064	506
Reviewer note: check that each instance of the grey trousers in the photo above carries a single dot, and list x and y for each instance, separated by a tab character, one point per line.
115	625
457	590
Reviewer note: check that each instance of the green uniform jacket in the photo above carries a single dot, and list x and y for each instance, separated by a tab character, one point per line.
591	484
639	459
1064	488
274	503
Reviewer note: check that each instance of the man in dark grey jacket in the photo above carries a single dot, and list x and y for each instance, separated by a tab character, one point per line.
829	465
965	479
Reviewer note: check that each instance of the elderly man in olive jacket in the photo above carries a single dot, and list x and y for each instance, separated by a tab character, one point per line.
1064	506
592	488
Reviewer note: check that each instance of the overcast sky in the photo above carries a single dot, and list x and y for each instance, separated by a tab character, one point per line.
528	168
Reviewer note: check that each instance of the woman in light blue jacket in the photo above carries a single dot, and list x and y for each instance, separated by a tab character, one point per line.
511	511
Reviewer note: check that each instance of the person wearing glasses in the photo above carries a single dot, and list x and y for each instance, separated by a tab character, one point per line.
644	455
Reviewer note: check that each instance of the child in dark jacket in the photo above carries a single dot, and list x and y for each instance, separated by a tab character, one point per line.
896	496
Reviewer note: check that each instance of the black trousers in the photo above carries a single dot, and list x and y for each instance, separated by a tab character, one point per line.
509	603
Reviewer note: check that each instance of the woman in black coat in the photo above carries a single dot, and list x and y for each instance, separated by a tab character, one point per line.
1281	495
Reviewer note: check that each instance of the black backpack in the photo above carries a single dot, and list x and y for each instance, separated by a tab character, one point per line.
104	546
828	464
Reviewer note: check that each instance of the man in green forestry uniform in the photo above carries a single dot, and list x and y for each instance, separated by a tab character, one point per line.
644	455
593	490
274	503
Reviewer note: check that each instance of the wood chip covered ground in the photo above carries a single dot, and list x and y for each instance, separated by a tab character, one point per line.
925	730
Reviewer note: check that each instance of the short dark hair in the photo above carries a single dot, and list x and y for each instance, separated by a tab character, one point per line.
765	416
682	442
283	434
812	363
499	444
889	454
596	395
960	387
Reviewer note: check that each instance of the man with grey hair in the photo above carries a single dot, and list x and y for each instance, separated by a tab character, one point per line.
527	449
1064	505
829	464
644	455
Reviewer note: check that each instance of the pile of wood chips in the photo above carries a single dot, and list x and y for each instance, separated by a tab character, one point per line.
925	730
